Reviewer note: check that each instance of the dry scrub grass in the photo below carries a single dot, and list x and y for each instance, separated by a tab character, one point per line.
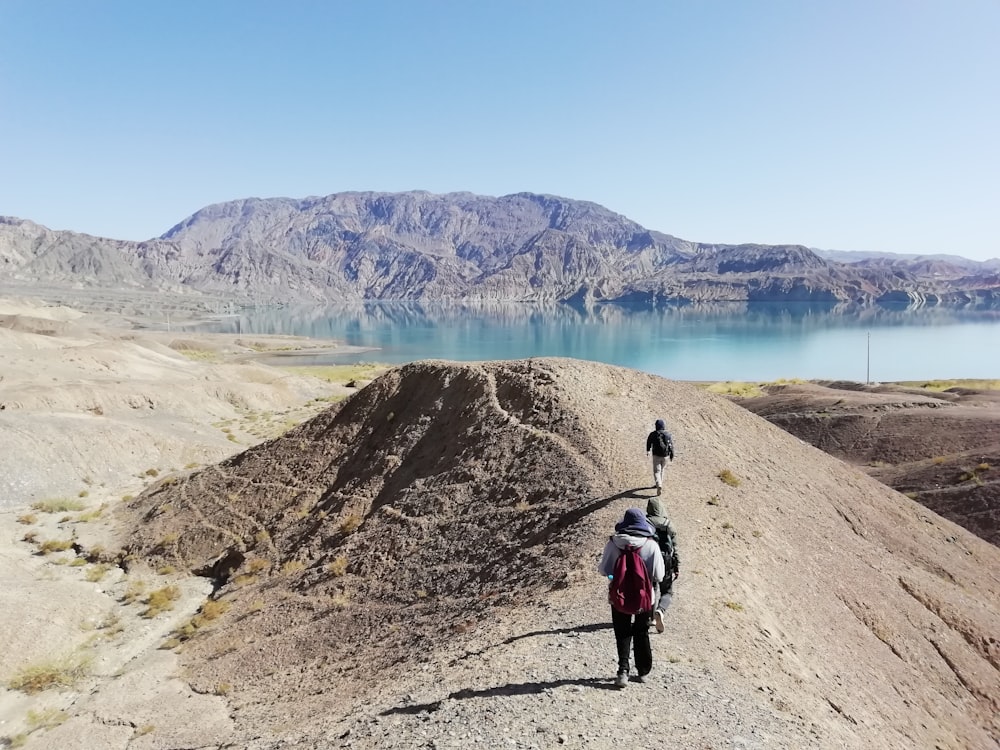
340	374
734	388
198	355
729	478
210	611
943	385
54	545
96	572
161	600
58	505
339	566
350	524
45	718
60	673
91	515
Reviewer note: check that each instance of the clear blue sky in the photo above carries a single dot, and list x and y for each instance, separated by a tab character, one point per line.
846	124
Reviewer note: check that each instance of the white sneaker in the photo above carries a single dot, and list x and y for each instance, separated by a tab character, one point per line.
658	620
621	680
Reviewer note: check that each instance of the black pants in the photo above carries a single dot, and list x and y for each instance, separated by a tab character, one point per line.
629	628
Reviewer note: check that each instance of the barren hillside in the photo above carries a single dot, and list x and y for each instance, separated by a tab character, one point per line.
939	448
84	406
416	567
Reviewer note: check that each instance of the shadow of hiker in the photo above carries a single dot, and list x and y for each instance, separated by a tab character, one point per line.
570	517
517	688
577	629
593	628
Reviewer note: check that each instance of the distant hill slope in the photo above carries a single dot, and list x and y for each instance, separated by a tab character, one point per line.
856	256
940	448
420	536
349	247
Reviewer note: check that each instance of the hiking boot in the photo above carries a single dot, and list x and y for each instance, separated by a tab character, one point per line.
659	489
658	620
621	680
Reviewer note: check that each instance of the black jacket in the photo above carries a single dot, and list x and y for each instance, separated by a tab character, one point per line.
653	444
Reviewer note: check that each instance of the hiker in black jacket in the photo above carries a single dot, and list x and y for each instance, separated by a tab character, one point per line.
661	445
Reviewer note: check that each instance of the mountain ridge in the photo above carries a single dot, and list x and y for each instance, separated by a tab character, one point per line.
522	247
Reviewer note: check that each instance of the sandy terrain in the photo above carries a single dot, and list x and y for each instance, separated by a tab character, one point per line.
414	566
91	413
115	406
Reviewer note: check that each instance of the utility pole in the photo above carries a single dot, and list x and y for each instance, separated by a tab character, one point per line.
868	361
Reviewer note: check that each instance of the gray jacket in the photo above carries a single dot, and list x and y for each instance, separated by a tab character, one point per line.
649	551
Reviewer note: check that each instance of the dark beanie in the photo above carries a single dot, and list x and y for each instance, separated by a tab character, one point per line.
660	424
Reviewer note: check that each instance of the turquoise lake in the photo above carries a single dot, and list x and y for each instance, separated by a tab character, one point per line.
734	342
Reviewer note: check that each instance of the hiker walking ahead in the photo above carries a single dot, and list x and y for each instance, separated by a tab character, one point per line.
633	562
661	444
666	538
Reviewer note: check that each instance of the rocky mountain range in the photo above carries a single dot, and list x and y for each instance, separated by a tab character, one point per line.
350	247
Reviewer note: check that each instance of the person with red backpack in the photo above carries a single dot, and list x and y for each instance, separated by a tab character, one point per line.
633	563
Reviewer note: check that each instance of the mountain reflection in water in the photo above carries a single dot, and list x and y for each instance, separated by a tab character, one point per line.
738	341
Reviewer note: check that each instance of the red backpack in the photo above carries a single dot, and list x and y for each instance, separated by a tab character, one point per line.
631	591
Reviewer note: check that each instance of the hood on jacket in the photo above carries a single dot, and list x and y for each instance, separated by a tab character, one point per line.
634	524
656	512
660	425
624	541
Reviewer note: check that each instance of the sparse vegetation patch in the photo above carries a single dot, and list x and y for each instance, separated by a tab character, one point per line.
340	374
58	505
161	600
211	610
45	718
339	566
729	478
350	523
96	572
91	515
943	385
734	388
61	673
54	545
198	355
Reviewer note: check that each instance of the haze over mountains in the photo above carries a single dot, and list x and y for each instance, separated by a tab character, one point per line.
351	247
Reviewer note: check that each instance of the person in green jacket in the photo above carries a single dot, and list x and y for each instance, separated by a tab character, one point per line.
666	538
